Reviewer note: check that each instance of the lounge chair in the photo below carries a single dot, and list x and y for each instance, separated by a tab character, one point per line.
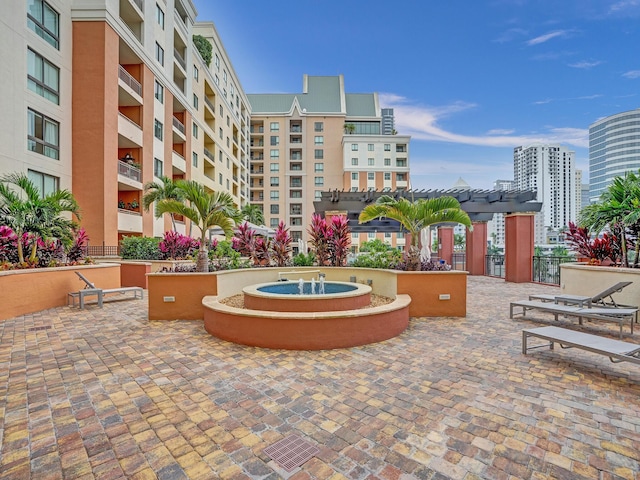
90	289
597	299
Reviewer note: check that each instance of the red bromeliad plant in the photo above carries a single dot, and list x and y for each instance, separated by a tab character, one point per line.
244	240
319	233
282	246
339	241
595	249
177	246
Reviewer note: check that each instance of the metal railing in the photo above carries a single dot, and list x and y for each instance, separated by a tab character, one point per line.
129	171
180	58
459	261
103	250
210	104
127	78
209	155
494	265
547	269
179	125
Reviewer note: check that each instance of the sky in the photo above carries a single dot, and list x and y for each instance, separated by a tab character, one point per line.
469	80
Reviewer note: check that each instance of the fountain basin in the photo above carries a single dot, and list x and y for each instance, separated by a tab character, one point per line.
285	297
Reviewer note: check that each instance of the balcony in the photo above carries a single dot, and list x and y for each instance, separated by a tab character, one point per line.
209	155
210	104
254	129
178	162
129	171
257	143
130	90
129	133
129	221
179	135
180	59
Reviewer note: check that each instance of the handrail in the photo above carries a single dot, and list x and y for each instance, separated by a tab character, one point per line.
127	78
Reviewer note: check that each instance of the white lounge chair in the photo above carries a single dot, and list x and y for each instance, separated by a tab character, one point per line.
90	289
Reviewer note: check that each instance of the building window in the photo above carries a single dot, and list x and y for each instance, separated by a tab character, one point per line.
400	177
370	147
371	176
274	181
274	167
318	154
43	77
317	195
274	195
195	101
371	235
194	159
371	162
295	236
295	194
273	222
220	133
159	92
319	181
354	175
274	154
43	135
221	111
157	167
220	178
160	16
387	176
295	209
387	162
354	161
318	127
401	162
399	235
387	147
318	140
46	184
296	221
318	167
220	156
157	129
275	209
217	61
354	147
44	20
274	126
196	73
228	121
159	54
195	130
295	182
275	140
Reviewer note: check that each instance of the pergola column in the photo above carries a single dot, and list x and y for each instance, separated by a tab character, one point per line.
445	244
519	246
476	250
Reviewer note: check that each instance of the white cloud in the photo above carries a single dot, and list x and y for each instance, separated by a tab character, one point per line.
624	5
632	74
546	37
500	131
510	35
585	64
422	123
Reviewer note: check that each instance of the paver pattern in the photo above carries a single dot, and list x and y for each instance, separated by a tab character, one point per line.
107	394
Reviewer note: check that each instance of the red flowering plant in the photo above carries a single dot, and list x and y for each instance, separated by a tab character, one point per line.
596	249
176	246
339	235
319	233
281	246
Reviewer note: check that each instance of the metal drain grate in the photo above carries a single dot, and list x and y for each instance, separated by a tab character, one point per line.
35	329
291	452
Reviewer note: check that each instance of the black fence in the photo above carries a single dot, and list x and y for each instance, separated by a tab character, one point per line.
547	269
459	261
494	265
103	250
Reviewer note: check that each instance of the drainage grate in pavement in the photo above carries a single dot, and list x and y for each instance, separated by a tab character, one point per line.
291	452
44	327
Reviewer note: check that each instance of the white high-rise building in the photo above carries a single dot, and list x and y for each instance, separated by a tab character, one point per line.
550	170
495	226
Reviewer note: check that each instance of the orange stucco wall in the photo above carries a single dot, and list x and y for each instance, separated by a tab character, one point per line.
519	247
28	291
187	289
425	289
476	248
445	244
134	274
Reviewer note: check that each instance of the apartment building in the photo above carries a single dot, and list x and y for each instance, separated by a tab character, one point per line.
495	226
320	139
550	170
104	96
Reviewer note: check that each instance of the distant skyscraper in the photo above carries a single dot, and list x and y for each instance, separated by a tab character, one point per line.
550	170
495	226
613	150
388	121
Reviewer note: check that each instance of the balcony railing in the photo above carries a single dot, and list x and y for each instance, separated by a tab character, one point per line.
547	269
140	4
129	171
296	128
180	58
257	129
210	104
179	125
129	80
209	155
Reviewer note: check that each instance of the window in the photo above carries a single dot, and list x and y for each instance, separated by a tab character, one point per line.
220	178
295	209
195	131
159	92
370	147
318	154
220	133
318	140
44	20
157	167
221	111
387	147
217	61
296	222
354	147
157	129
387	162
43	135
296	194
371	235
318	167
295	236
319	181
275	209
220	156
371	162
195	101
194	159
400	177
274	181
274	167
401	162
318	127
196	73
275	140
399	235
224	76
295	182
273	223
317	195
274	195
228	121
371	176
354	161
227	162
387	234
387	175
159	54
160	16
46	184
274	126
274	154
354	175
43	77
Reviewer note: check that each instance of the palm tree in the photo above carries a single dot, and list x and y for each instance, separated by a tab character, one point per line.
26	210
205	209
252	214
165	190
414	216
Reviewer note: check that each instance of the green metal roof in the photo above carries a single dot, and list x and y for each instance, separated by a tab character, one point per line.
361	105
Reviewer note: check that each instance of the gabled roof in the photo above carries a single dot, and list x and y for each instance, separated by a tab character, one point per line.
361	104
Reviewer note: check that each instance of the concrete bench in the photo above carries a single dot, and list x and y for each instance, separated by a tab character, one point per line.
605	314
616	350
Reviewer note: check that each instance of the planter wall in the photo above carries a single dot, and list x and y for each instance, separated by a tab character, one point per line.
435	294
33	290
178	296
582	279
134	274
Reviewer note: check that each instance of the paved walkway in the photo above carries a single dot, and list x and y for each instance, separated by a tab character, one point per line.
106	394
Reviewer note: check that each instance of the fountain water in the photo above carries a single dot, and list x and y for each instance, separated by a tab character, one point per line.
313	286
321	287
301	286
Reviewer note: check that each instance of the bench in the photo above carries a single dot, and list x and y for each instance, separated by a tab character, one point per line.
616	350
605	314
91	290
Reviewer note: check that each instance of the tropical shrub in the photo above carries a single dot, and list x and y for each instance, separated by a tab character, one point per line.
222	256
339	235
319	238
281	246
304	259
176	246
140	248
595	249
77	251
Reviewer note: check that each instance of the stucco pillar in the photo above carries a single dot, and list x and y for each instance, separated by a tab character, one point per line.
476	248
518	248
445	244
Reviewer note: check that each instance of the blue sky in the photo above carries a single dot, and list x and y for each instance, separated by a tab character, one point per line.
469	79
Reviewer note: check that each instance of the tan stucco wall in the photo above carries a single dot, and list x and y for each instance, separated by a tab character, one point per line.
579	279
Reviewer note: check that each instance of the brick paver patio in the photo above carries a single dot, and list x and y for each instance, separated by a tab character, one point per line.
106	394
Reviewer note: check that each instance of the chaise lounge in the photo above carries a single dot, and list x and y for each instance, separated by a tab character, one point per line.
597	299
90	290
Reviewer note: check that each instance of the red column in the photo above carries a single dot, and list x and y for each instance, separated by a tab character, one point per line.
476	248
518	248
445	244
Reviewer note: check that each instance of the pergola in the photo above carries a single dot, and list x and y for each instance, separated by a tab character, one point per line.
519	206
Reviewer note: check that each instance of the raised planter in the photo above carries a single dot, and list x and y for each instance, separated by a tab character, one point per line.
583	279
33	290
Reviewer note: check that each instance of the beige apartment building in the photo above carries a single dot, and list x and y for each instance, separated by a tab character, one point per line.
321	139
104	96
